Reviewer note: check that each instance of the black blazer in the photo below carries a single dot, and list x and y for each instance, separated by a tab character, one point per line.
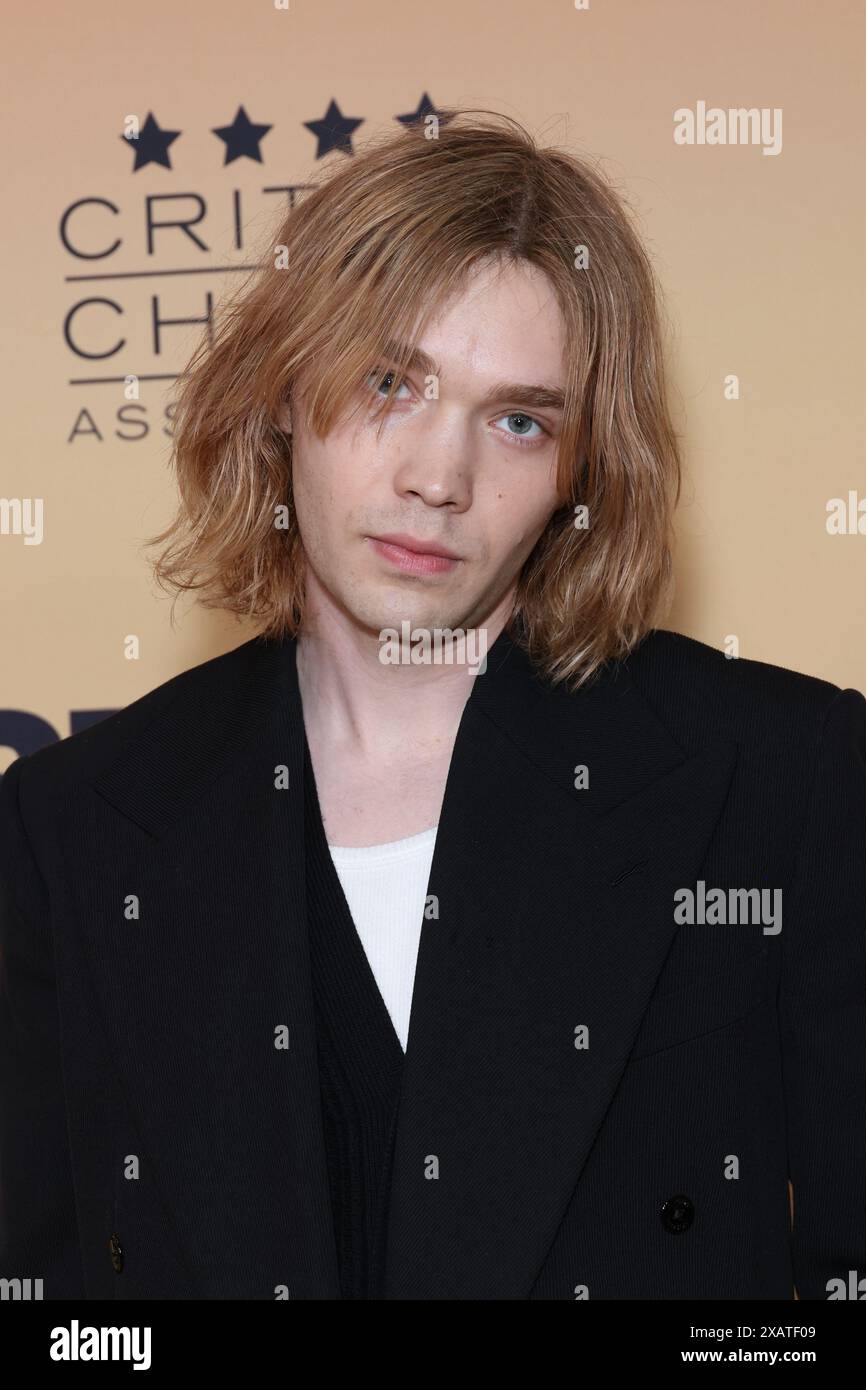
723	1060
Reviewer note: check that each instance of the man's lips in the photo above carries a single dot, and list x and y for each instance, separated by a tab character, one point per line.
420	547
412	555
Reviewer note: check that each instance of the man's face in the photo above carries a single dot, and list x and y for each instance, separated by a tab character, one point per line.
472	471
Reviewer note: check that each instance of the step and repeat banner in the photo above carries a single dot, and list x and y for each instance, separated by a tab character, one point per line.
151	150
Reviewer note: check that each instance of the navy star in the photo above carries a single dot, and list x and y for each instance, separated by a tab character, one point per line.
152	144
242	137
424	108
334	131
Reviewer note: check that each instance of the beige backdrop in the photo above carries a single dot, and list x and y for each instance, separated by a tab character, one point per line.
760	256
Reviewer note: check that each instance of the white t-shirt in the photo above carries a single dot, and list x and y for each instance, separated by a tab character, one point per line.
386	889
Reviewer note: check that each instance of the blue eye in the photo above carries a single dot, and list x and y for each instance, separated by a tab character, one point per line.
383	380
522	422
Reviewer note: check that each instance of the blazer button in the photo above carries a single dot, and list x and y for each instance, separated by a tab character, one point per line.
677	1214
116	1249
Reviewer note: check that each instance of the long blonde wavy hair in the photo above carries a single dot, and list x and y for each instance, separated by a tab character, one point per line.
399	226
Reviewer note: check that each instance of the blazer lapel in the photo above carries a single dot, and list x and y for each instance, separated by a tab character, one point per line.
194	991
555	914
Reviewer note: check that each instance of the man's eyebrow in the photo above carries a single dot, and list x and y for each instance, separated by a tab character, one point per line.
518	393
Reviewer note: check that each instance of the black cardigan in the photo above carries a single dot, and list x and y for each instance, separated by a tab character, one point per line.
360	1066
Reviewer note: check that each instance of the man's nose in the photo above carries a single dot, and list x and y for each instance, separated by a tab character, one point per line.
438	461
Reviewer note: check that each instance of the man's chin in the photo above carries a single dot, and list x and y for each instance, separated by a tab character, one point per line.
390	621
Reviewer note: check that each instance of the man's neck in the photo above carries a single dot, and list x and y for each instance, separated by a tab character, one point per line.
353	701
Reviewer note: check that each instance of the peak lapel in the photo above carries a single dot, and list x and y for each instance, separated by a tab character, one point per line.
227	1125
555	913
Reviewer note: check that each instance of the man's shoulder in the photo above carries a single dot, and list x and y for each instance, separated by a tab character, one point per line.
84	754
701	692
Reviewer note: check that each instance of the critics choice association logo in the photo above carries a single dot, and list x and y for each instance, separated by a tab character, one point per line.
143	269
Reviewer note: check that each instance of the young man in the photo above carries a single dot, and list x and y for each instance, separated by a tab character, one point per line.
620	880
